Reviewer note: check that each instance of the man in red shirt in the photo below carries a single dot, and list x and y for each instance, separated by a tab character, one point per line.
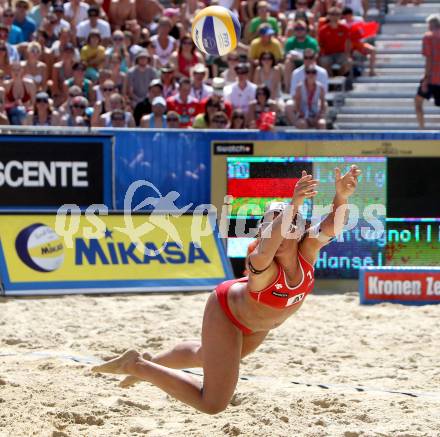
430	84
184	104
334	42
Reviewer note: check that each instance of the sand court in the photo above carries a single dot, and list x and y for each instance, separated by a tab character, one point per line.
305	379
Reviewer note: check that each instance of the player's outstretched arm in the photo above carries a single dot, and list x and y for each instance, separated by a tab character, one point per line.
273	232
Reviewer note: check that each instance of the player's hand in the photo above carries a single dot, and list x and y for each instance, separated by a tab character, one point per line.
305	188
346	185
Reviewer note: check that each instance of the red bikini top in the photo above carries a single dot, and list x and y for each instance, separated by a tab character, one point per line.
280	295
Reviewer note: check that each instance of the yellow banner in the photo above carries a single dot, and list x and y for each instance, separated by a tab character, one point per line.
93	251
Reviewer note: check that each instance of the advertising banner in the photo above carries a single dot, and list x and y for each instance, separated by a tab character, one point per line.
48	171
50	254
405	285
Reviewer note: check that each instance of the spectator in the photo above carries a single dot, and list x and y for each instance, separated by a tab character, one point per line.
177	30
118	48
406	2
25	23
15	33
151	49
203	120
219	121
359	7
66	107
229	75
356	35
173	120
259	105
295	46
430	84
33	68
78	78
157	119
12	51
238	119
19	93
103	105
77	116
62	71
170	86
98	92
304	14
265	43
144	107
118	76
186	57
269	74
184	104
262	17
310	102
4	120
93	22
139	77
218	85
117	105
42	113
147	11
93	55
132	48
60	24
242	91
5	65
65	38
47	56
299	74
39	12
120	11
334	41
75	12
164	44
200	90
48	25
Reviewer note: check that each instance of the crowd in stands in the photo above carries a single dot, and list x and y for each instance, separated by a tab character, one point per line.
128	63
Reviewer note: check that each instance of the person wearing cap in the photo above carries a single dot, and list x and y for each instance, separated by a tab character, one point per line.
139	77
15	33
266	42
120	11
61	24
23	21
218	85
184	104
200	90
42	113
75	11
263	16
169	81
157	119
93	55
144	107
186	57
93	22
241	92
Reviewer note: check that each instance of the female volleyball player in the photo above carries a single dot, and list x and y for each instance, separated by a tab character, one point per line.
239	313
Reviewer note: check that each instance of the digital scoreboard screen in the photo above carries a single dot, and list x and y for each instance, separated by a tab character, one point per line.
380	230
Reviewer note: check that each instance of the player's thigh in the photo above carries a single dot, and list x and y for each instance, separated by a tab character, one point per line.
251	342
221	353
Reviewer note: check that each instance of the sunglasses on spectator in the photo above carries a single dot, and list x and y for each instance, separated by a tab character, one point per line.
334	14
232	58
3	49
220	120
299	28
117	118
8	15
77	106
187	43
311	72
242	72
239	117
266	58
93	14
118	38
108	89
42	101
172	119
309	57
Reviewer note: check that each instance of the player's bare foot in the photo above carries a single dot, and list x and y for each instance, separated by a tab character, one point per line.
129	381
118	365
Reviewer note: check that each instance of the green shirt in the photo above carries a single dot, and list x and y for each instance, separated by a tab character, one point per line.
309	43
255	24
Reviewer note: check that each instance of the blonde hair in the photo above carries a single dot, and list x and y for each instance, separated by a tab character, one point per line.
34	45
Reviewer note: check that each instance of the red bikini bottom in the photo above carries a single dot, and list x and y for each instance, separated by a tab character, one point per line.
222	296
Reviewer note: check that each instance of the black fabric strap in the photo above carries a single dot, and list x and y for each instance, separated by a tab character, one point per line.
254	270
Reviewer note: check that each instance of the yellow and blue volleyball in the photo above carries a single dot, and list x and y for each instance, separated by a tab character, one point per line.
216	30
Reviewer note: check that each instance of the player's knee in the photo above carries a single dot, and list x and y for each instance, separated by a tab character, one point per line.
215	407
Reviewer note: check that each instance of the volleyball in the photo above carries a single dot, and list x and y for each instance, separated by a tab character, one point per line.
40	248
216	30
